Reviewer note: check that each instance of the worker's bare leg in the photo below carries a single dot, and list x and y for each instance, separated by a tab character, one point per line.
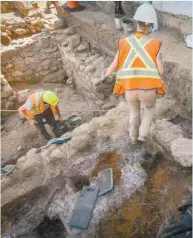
148	102
134	104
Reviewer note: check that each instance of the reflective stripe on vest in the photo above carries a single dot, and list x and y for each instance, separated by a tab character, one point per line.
141	52
39	106
132	55
140	73
138	50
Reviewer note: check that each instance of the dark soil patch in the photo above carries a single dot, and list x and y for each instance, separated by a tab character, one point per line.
50	229
109	160
79	182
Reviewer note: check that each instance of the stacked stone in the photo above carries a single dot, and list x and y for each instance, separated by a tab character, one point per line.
23	8
60	56
8	95
37	59
85	66
14	29
6	6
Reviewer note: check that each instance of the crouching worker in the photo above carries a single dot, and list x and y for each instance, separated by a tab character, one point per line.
42	105
139	69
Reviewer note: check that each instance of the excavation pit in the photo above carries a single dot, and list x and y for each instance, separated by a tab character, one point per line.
50	229
63	61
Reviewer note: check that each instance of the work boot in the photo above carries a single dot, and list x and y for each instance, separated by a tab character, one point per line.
77	9
141	140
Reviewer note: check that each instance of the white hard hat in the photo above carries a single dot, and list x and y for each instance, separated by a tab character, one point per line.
146	13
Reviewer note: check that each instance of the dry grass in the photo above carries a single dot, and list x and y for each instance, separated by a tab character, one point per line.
109	160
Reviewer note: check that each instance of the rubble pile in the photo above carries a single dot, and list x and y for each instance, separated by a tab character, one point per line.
33	22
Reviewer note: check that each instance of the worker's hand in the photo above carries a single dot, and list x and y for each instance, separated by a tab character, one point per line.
32	122
106	74
61	119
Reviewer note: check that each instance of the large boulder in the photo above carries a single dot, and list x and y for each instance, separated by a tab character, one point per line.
181	149
164	132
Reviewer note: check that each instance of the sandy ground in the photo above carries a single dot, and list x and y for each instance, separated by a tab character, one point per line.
18	137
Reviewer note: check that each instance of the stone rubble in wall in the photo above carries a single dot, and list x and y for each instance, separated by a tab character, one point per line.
85	67
34	59
60	56
34	21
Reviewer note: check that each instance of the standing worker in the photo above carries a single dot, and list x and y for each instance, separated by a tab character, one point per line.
42	105
118	9
140	67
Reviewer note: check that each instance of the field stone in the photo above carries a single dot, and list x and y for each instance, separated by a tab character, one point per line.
81	48
164	132
181	149
69	31
5	39
17	73
90	69
74	41
7	53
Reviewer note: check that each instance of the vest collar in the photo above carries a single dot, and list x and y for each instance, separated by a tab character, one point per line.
139	33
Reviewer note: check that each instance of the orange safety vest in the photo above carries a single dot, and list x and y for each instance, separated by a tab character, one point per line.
38	105
137	65
73	4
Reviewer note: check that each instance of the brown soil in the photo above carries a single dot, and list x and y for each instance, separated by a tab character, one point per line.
110	160
142	215
80	181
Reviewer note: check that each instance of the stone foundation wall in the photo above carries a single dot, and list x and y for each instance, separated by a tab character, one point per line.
23	8
61	56
36	59
85	66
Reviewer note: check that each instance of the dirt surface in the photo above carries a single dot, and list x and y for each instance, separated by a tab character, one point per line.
167	188
18	137
110	160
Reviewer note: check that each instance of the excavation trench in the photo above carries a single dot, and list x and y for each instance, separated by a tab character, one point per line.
39	197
